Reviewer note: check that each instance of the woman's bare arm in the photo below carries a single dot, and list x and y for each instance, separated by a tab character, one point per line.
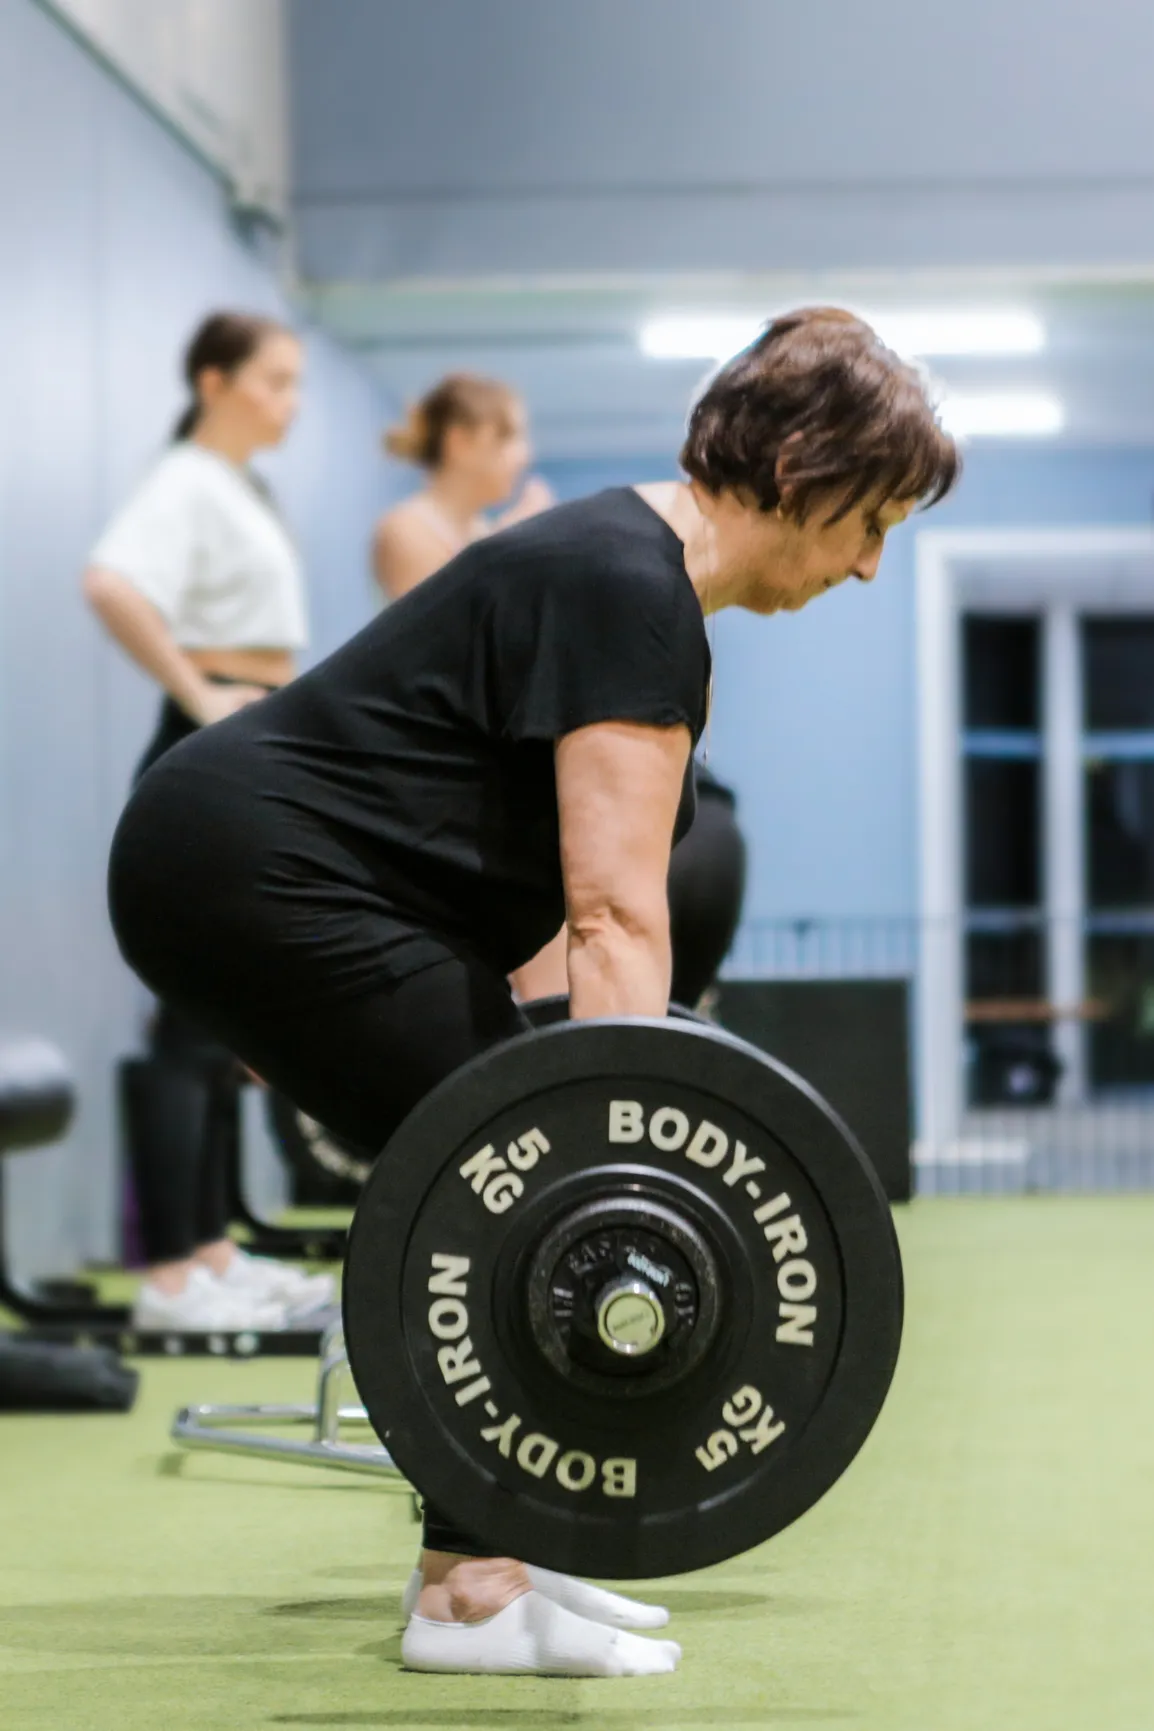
536	496
618	788
407	549
142	633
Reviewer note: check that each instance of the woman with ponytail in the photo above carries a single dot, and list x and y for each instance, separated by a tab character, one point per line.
470	437
197	579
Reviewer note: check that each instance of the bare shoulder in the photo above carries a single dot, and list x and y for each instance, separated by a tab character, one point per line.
403	522
667	498
406	549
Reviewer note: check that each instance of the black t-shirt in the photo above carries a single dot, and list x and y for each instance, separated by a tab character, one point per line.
423	748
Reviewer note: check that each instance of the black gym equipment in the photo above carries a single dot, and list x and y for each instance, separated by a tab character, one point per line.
327	1171
706	889
851	1039
37	1101
624	1297
43	1376
36	1104
329	1431
37	1097
315	1243
1013	1067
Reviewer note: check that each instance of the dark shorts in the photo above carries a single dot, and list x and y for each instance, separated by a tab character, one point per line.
226	905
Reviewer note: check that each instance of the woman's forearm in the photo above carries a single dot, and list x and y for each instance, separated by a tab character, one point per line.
618	789
141	632
619	968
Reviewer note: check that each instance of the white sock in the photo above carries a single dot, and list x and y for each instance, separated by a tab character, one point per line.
534	1636
596	1603
584	1600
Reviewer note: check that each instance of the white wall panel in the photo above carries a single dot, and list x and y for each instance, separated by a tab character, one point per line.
115	242
214	68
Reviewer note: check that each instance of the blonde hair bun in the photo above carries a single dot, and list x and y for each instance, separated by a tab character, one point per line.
409	441
458	400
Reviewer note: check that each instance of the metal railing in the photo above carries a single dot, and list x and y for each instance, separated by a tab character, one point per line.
1018	1087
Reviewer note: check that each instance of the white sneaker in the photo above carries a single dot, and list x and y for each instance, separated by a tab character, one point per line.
263	1279
206	1306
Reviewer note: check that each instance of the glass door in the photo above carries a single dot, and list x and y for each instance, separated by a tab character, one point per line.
1117	663
1008	1045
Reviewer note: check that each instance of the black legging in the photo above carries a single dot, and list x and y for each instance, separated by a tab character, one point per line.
180	1103
180	1108
706	890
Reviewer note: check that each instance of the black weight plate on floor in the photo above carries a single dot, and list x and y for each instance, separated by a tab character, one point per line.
492	1433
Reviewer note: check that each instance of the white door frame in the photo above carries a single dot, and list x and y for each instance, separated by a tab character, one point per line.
1058	573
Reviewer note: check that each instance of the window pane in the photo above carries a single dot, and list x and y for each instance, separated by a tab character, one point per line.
1001	671
1118	672
1008	1063
1120	972
1004	965
1120	834
1002	852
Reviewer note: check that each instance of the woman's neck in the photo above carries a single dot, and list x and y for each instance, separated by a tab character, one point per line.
676	502
224	442
714	533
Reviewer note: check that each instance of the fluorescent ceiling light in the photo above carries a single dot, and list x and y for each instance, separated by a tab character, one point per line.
698	338
960	333
1018	414
714	337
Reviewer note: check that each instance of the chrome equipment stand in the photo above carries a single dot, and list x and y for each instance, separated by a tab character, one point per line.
243	1430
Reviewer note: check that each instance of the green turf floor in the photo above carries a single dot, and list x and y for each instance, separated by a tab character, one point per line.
987	1565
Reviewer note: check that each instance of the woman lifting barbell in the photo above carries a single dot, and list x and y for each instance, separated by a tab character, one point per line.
338	880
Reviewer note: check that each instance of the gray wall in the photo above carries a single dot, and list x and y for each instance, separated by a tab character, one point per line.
115	242
642	135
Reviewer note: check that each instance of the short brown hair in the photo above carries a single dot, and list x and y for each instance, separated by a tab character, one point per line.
458	400
819	402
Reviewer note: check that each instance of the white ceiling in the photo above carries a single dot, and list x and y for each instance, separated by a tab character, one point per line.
570	344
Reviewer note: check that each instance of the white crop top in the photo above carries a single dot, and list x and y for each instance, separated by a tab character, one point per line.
199	541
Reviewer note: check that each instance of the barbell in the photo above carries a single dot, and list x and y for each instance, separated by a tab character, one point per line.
623	1298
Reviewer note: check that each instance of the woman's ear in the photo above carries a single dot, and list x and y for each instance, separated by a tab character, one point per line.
210	382
458	442
786	486
786	497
